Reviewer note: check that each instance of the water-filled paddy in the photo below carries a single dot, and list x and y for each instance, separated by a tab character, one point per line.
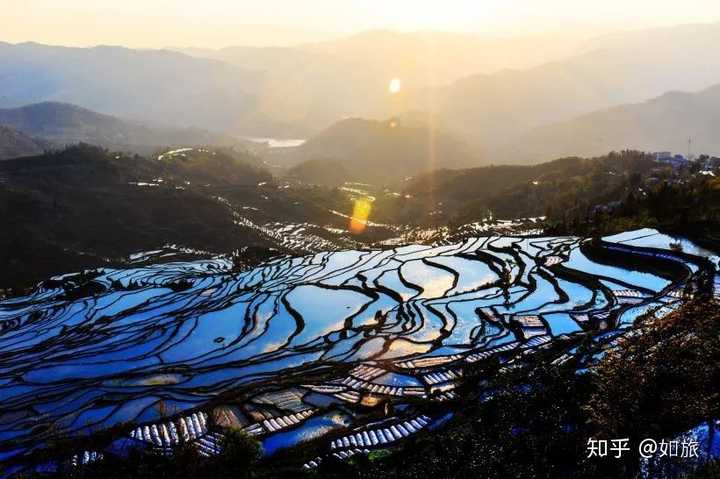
165	341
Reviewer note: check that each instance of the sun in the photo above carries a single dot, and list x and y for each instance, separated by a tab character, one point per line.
395	86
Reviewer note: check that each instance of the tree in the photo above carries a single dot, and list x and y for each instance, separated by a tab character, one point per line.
240	453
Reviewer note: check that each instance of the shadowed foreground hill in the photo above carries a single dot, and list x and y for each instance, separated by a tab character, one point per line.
83	207
514	191
14	144
321	172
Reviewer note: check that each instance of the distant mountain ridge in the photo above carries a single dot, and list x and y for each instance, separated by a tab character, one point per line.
664	123
487	106
491	111
320	83
63	123
156	86
462	81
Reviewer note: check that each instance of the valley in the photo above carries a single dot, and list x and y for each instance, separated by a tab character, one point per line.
227	298
354	241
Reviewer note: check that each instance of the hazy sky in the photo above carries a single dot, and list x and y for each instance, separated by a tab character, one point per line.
216	23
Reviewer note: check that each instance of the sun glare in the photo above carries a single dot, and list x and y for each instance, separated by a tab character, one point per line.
361	213
395	86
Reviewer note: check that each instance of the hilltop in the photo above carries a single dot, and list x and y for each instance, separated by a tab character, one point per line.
383	152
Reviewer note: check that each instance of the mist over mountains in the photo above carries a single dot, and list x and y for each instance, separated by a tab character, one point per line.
319	83
491	110
156	86
382	151
664	123
504	100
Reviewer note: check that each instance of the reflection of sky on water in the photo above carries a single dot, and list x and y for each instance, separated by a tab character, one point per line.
147	343
650	238
578	261
310	429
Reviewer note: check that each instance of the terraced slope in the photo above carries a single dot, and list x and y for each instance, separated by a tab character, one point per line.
299	347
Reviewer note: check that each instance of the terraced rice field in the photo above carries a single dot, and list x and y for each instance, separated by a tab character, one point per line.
301	347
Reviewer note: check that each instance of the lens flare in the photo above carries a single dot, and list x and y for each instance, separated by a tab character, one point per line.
359	218
395	86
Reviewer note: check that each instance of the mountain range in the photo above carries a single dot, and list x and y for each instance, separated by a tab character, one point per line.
62	123
491	111
320	83
570	99
156	86
664	123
